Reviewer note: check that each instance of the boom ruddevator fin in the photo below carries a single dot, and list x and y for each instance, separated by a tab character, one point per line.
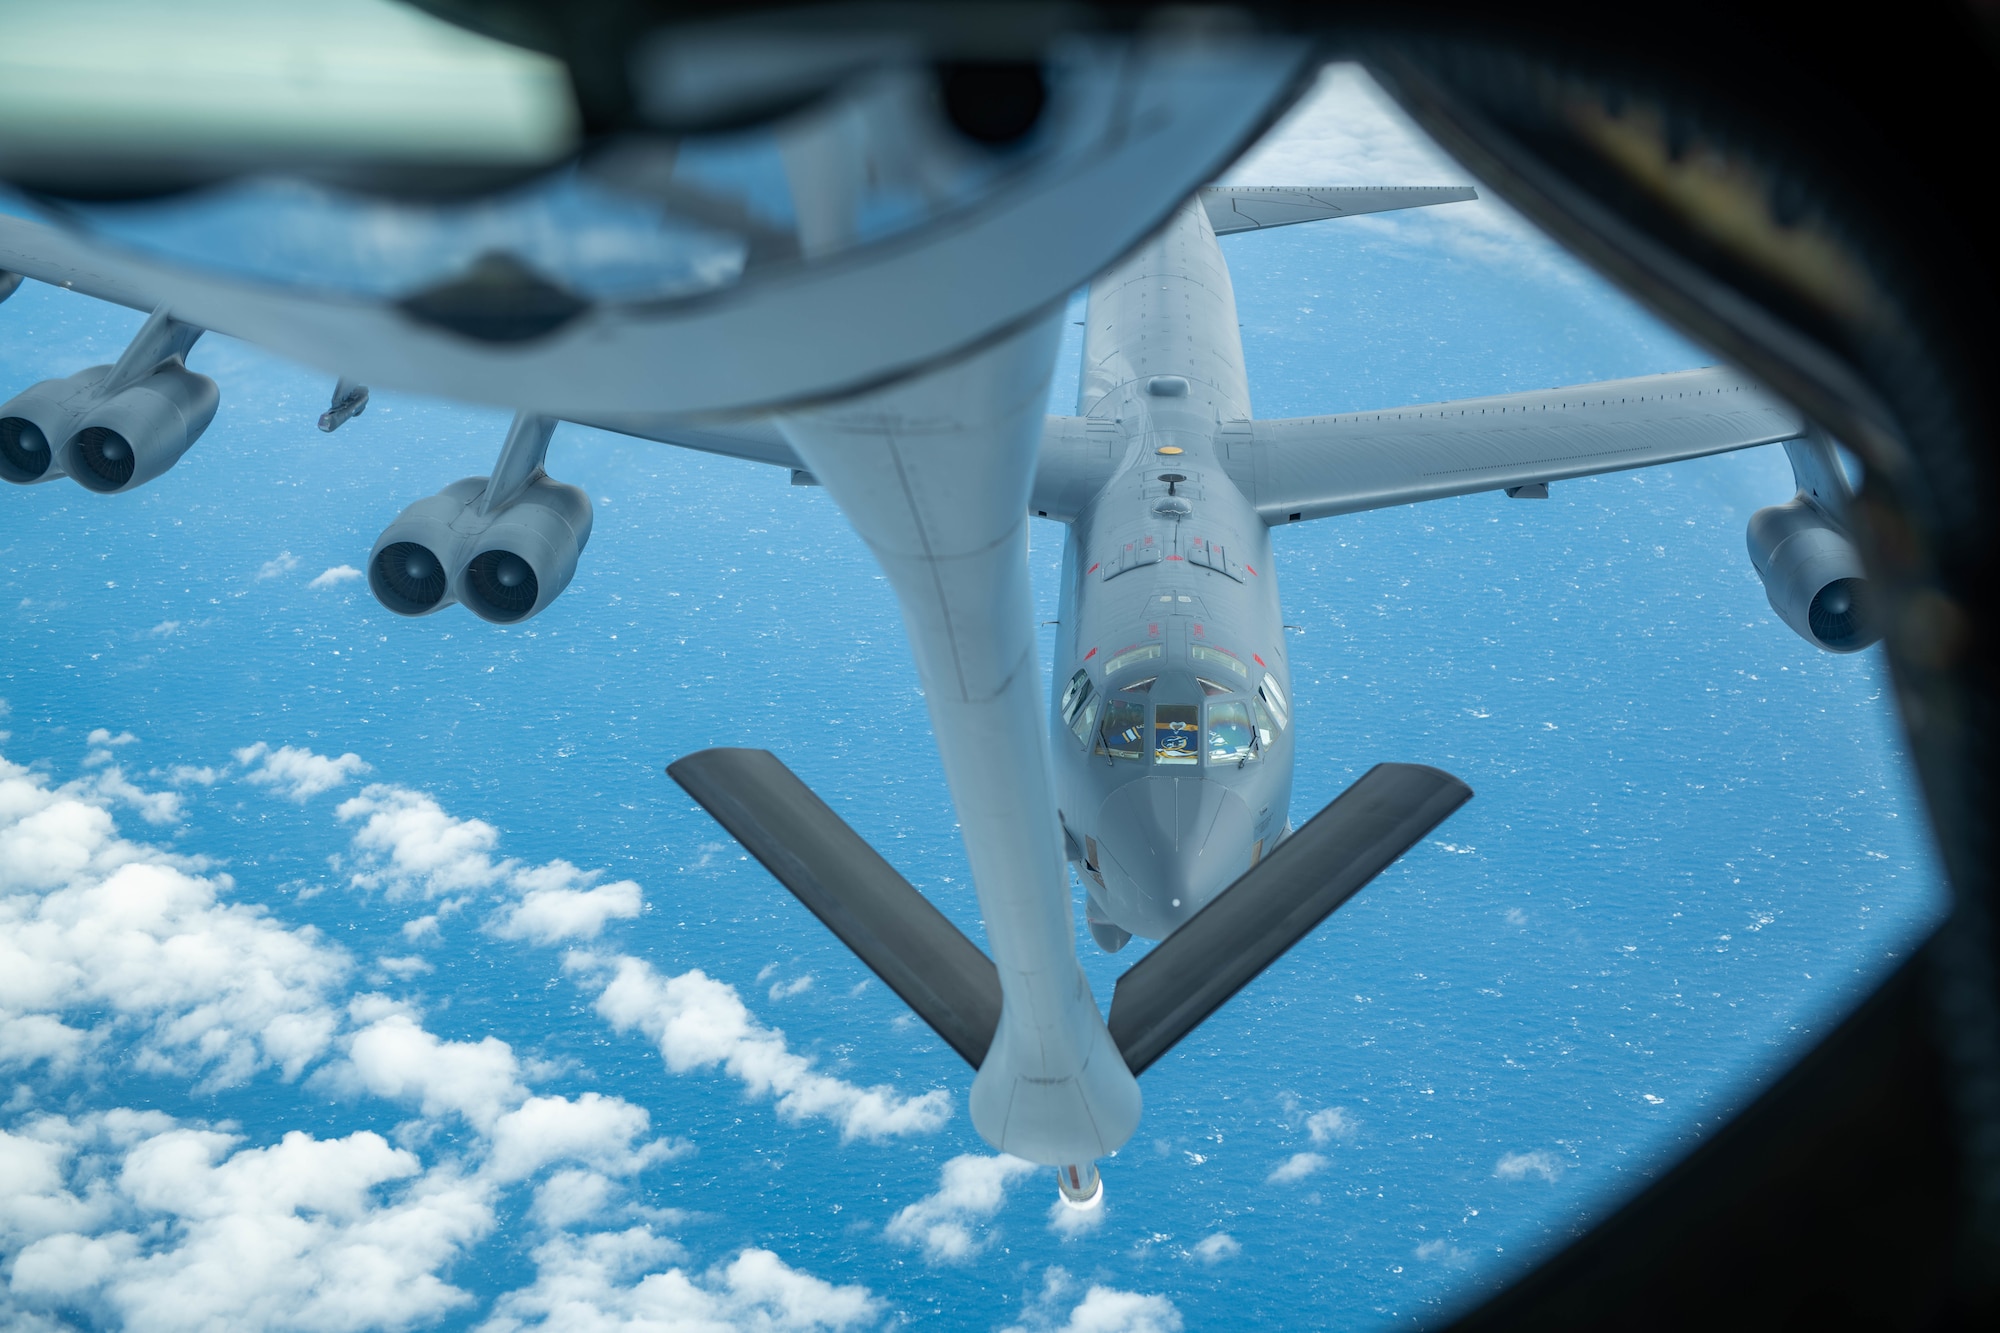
1194	971
830	868
955	988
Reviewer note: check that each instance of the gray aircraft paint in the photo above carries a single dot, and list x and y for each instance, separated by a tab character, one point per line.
1188	574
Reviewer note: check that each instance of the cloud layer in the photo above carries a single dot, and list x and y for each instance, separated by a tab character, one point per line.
950	1224
115	952
700	1023
101	938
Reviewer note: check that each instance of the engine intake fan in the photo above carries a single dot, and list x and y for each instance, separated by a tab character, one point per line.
38	421
135	435
1812	575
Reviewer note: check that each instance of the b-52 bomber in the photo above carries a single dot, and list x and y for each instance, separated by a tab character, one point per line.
1162	767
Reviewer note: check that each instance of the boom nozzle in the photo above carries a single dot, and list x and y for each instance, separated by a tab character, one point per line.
1082	1188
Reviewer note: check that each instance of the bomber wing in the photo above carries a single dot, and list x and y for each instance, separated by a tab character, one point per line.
1318	467
1234	208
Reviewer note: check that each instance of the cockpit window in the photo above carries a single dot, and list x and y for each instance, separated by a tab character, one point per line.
1176	728
1123	735
1230	739
1266	729
1140	686
1084	717
1274	698
1201	652
1074	693
1079	704
1210	688
1131	656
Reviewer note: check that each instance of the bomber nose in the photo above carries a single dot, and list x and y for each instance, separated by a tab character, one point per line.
1169	845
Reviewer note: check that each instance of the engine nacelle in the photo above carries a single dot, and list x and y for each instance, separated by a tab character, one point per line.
528	554
1813	576
38	421
138	433
505	566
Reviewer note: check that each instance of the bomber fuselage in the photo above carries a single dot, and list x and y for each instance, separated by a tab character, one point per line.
1171	701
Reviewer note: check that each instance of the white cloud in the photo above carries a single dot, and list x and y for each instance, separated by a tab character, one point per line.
785	990
595	1130
297	772
103	736
1213	1249
192	1232
155	807
1295	1168
284	562
1442	1252
338	574
1332	1123
569	1197
698	1022
408	845
1521	1165
554	907
101	936
971	1188
1102	1310
395	1058
1069	1221
631	1282
182	774
112	950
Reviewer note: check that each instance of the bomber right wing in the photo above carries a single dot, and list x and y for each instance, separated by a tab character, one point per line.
1318	467
1235	208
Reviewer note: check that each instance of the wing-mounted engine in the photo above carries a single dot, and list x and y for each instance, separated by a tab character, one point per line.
112	428
1802	552
505	546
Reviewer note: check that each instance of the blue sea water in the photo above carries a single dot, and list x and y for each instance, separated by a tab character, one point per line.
1696	840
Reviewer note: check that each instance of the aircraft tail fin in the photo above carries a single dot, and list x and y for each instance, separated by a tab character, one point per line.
907	942
1195	970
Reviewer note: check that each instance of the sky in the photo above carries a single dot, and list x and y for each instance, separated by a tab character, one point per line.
359	973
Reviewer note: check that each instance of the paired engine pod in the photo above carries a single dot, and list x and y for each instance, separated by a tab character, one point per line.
505	566
135	435
417	558
527	555
1813	576
38	421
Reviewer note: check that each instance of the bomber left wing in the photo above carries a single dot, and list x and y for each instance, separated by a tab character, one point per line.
1318	467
